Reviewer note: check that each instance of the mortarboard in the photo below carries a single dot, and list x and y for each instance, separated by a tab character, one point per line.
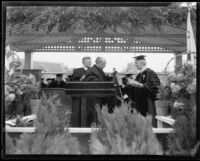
59	75
128	73
140	57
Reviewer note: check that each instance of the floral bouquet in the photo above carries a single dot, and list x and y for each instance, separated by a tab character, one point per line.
183	88
18	92
19	88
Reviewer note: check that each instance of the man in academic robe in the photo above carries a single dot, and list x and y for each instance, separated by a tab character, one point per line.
79	73
49	80
43	85
144	89
95	73
59	83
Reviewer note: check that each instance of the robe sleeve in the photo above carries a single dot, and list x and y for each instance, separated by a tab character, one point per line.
152	84
90	76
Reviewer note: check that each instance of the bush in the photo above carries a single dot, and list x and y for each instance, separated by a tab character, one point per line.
123	132
51	137
183	140
10	149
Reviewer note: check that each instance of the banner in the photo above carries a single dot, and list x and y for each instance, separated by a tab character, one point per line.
191	47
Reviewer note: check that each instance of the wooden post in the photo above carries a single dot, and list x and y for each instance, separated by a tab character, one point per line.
28	60
83	112
178	60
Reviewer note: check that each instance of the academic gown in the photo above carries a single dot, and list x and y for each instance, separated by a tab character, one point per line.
55	84
144	98
78	73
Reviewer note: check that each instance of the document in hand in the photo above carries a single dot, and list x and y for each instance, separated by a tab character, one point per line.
133	82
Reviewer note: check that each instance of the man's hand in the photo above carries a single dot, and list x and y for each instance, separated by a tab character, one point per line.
83	77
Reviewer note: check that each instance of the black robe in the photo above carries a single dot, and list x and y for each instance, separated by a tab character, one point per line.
144	98
78	73
55	84
95	74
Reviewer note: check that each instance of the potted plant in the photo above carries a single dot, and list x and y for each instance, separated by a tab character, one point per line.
19	88
163	101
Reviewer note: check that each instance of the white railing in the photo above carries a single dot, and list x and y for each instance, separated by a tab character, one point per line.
8	128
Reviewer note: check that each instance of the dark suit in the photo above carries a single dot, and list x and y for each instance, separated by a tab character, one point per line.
95	74
78	73
55	84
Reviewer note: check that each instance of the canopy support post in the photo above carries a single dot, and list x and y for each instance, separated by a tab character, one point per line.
28	60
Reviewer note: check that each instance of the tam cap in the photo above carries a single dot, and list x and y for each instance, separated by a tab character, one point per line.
59	75
140	57
128	73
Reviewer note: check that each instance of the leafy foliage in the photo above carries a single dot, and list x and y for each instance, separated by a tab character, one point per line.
164	93
182	84
19	88
96	19
123	132
51	137
183	140
10	149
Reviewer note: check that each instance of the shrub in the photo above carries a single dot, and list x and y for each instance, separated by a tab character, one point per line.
10	149
183	140
51	136
123	132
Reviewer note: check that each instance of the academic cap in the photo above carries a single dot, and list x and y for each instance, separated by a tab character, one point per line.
59	75
128	73
140	57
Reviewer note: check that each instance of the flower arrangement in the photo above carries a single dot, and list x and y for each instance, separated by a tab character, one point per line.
19	89
182	84
183	110
18	92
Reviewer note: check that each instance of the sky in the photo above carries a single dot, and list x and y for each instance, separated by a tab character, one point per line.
155	61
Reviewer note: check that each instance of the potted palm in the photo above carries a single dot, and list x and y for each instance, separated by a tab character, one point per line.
163	101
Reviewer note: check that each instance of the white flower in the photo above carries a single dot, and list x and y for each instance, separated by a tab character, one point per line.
180	76
192	87
11	97
175	88
6	90
11	72
189	63
172	85
178	104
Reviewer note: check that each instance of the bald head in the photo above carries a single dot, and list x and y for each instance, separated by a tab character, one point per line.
100	62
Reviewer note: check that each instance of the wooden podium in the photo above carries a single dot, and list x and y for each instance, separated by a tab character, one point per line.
80	91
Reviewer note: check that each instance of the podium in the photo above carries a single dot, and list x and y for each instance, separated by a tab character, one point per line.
79	92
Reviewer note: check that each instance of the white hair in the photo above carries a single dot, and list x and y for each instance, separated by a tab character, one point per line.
100	60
